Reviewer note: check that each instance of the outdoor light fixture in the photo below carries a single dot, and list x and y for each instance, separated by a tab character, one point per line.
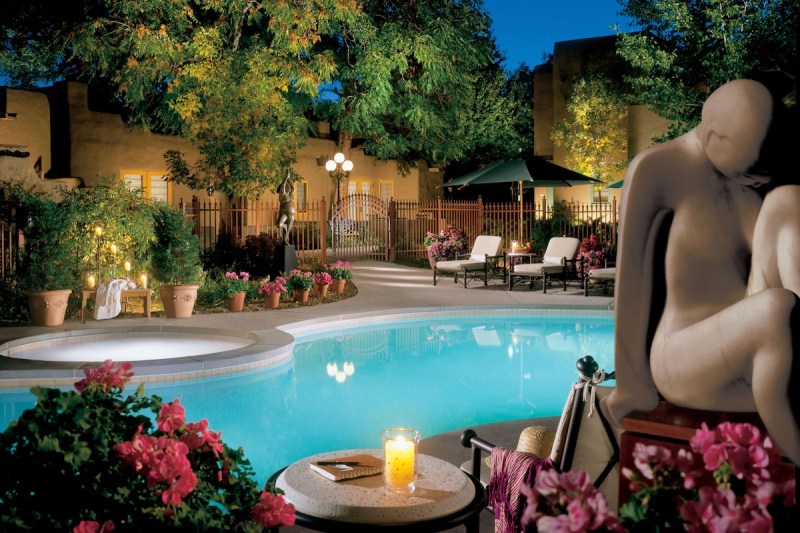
339	167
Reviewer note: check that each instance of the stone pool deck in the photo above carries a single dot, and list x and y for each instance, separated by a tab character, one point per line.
382	288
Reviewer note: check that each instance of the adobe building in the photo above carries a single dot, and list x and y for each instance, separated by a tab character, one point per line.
70	141
552	83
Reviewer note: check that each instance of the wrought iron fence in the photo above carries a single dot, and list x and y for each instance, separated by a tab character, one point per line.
11	241
356	219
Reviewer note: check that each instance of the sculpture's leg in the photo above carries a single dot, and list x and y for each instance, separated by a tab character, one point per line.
776	242
737	360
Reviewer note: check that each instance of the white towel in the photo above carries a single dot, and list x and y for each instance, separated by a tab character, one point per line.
109	295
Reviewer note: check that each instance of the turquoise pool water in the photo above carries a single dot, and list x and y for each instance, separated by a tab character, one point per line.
434	375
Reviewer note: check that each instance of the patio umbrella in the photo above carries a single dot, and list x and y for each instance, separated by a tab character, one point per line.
530	172
616	184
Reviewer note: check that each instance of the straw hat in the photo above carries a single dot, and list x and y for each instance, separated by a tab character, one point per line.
537	440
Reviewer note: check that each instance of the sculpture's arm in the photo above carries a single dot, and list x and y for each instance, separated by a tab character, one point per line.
643	214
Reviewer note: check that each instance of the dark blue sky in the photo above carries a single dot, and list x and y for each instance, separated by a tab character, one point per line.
527	29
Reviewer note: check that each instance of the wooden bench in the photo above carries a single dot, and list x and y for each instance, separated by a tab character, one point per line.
129	293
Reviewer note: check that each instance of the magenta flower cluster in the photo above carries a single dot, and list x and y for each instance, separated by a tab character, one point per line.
567	502
446	244
106	377
595	253
340	270
271	287
299	280
234	283
322	278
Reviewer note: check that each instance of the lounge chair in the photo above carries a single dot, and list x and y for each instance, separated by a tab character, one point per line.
558	263
478	263
584	439
603	277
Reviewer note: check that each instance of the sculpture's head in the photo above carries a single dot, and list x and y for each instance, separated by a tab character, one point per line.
735	123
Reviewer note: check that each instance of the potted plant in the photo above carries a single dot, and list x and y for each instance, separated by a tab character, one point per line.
47	268
322	280
235	286
175	254
299	282
272	291
340	272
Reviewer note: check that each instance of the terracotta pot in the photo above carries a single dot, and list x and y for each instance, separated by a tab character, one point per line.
273	300
178	300
338	285
301	295
321	291
236	302
48	308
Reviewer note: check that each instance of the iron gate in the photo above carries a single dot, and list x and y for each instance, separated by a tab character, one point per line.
360	228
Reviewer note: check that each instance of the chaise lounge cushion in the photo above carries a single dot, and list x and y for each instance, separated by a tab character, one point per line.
485	245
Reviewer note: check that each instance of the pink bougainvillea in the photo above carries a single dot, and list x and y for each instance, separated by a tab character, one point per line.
91	526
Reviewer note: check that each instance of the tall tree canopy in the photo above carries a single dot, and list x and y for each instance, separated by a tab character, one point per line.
688	48
402	79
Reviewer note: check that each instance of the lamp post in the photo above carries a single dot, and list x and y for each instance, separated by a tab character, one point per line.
339	167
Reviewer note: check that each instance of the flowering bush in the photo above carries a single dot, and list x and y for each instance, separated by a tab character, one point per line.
743	492
299	280
341	270
98	460
271	287
728	482
322	278
567	502
595	253
233	283
444	246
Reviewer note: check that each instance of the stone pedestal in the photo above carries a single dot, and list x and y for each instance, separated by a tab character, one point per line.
285	260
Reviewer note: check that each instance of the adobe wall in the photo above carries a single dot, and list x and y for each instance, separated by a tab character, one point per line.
31	127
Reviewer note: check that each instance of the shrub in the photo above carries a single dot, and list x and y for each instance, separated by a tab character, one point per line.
98	456
259	254
446	244
175	251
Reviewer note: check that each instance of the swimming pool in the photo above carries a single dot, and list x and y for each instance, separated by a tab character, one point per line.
434	374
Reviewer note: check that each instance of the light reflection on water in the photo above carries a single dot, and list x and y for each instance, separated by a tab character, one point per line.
434	375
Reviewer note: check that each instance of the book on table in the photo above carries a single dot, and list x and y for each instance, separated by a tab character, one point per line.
352	466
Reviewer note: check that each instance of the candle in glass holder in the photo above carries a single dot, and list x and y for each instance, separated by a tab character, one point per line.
127	266
514	246
91	281
399	464
114	249
98	231
143	281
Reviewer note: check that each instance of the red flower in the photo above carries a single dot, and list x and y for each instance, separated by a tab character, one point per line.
273	511
90	526
106	377
171	416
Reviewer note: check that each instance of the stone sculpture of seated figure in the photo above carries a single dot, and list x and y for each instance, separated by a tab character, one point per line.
708	271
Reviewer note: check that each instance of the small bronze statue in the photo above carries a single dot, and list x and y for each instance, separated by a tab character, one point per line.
287	208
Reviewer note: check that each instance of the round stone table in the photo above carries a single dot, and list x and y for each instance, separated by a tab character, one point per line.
444	497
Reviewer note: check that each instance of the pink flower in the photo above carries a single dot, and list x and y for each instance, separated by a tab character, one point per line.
171	416
198	434
322	278
273	511
106	377
90	526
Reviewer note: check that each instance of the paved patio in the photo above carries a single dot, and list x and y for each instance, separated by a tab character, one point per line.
381	287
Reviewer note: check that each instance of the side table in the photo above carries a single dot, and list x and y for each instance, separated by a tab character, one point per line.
445	497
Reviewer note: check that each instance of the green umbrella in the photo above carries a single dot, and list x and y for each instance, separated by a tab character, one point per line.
466	178
616	185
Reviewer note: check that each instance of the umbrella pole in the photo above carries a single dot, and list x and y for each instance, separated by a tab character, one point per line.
521	200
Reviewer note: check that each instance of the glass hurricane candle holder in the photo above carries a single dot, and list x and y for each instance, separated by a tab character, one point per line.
400	459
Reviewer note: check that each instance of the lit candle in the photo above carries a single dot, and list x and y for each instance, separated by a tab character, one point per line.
143	281
114	249
399	469
90	281
98	231
127	266
514	245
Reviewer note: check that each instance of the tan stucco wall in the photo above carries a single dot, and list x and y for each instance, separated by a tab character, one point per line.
31	127
643	125
101	143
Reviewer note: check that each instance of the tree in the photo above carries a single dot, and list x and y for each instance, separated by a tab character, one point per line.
687	49
594	134
235	77
406	72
